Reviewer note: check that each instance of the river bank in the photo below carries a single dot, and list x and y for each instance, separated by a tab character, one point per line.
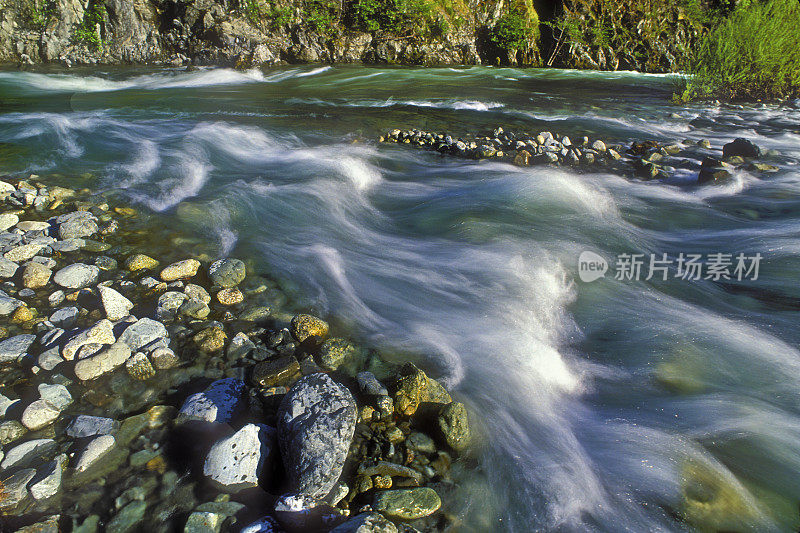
145	387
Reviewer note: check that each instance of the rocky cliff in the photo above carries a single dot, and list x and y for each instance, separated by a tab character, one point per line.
605	34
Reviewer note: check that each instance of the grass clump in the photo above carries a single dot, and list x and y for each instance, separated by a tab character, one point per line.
754	53
88	32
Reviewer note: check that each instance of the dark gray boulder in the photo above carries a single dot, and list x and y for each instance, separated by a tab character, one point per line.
316	422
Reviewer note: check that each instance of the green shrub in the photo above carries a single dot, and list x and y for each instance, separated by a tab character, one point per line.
87	32
754	53
514	31
321	15
40	14
396	16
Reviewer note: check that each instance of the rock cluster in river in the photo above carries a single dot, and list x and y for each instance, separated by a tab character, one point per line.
647	160
166	386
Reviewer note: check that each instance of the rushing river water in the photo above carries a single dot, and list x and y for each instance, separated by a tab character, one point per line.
615	405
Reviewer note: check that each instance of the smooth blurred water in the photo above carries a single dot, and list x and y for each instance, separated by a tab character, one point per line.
605	406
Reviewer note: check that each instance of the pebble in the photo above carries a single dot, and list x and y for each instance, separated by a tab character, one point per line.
96	449
15	488
39	414
197	292
335	352
366	523
7	221
23	253
168	305
64	317
142	333
139	367
230	296
220	402
47	481
89	426
140	262
115	304
28	453
407	504
35	275
304	327
164	358
15	347
78	224
100	333
107	360
180	270
8	305
227	273
77	276
7	268
210	340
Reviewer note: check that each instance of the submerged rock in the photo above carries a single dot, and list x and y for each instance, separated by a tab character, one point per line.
220	402
180	270
238	462
77	276
104	361
97	448
316	422
453	426
407	504
101	333
15	347
304	327
366	523
89	426
142	333
415	388
227	273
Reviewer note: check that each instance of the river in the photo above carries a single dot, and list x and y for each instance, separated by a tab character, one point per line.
611	405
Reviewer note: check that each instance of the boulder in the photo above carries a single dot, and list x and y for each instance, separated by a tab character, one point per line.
239	461
316	422
741	147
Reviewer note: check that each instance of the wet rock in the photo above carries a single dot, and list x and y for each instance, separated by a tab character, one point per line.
97	448
762	167
220	402
316	422
15	488
180	270
128	519
415	388
255	314
89	426
10	430
197	292
48	525
453	426
140	262
239	347
227	273
7	221
168	305
164	358
194	309
7	268
204	522
230	296
39	414
421	442
304	513
77	276
77	225
115	305
386	469
741	147
101	333
210	340
105	361
29	453
369	384
65	317
47	481
265	524
712	171
139	367
144	332
599	146
24	252
8	304
304	327
15	347
239	461
366	523
276	371
407	504
335	352
36	276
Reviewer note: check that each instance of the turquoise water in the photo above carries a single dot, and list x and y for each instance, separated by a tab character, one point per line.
615	405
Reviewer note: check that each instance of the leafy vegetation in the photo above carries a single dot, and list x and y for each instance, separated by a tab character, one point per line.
39	14
517	29
321	15
396	16
271	16
88	32
754	53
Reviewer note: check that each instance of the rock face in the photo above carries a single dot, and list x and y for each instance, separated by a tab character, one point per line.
316	422
238	462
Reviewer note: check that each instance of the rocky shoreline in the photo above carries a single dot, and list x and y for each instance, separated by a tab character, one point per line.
646	160
145	387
